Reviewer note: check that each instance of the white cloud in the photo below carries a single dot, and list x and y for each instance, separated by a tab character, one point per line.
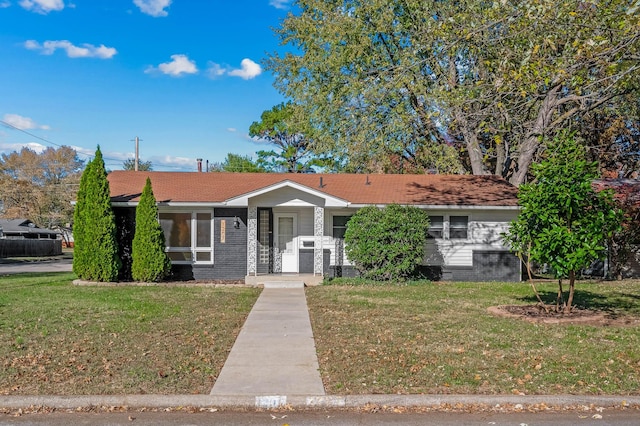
84	151
173	163
23	123
179	65
248	70
4	4
6	148
232	129
42	6
86	50
153	8
215	70
280	4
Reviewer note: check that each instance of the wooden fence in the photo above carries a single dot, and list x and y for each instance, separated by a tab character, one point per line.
28	248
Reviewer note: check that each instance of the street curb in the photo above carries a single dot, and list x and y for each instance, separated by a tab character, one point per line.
459	402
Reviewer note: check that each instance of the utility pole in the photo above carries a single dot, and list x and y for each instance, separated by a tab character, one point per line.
136	161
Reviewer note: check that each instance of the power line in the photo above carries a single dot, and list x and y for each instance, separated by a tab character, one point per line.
48	141
88	156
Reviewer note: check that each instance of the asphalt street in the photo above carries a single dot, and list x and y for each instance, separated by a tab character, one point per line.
627	417
63	265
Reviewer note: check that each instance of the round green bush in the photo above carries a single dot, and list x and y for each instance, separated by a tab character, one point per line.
387	243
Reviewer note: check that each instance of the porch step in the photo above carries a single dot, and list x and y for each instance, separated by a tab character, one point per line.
283	284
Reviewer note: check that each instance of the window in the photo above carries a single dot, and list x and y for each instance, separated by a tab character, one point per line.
436	227
263	237
458	226
188	236
340	226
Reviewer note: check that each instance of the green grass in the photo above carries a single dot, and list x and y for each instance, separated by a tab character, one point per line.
57	338
439	338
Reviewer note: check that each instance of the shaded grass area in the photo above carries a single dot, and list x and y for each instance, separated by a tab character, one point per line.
56	338
438	338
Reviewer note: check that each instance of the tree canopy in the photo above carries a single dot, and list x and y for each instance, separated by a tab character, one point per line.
237	163
285	127
454	86
143	166
40	186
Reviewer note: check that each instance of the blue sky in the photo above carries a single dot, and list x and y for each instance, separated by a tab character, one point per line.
187	77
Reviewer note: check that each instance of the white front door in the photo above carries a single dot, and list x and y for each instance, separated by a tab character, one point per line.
286	230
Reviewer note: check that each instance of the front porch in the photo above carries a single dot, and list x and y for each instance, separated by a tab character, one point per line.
283	279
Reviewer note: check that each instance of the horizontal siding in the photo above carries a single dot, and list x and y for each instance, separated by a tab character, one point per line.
489	233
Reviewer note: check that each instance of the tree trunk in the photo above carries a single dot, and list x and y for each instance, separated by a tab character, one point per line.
559	298
529	147
501	157
471	140
572	282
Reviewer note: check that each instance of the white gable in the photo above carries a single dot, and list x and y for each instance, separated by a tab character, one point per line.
287	193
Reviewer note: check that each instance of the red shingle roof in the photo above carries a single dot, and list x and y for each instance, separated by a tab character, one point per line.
464	190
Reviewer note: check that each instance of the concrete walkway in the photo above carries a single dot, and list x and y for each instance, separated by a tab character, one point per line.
274	354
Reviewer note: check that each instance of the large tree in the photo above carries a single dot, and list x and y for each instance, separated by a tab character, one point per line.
285	127
94	229
40	186
564	221
418	79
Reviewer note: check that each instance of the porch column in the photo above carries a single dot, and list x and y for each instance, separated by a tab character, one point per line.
318	232
252	238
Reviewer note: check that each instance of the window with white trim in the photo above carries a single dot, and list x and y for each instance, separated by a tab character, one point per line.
436	227
340	226
458	227
188	236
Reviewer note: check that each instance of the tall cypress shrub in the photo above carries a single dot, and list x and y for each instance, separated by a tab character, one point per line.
96	253
150	262
79	227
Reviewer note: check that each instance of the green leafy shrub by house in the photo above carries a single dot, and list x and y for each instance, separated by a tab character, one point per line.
94	229
150	262
563	222
388	243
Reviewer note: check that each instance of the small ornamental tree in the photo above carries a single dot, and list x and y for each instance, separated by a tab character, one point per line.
94	228
150	262
388	243
563	222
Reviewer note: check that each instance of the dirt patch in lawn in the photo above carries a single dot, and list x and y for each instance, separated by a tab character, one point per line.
538	314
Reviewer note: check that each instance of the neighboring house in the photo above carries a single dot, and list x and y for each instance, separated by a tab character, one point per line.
25	229
22	237
231	226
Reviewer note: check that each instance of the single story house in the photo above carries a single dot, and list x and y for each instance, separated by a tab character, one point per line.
234	226
22	237
25	229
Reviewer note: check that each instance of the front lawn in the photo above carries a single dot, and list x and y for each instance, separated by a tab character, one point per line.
57	338
438	338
